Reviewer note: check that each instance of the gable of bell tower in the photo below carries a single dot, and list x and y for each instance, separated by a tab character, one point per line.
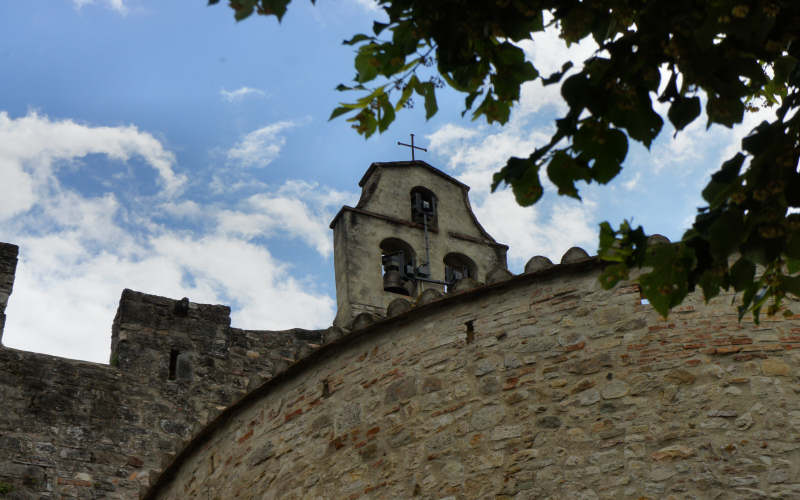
412	230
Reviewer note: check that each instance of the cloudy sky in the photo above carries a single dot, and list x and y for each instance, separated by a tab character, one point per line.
162	147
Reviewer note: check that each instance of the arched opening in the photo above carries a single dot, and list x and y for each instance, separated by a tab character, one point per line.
458	266
397	260
423	205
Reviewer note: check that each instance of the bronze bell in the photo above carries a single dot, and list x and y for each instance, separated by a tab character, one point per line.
393	282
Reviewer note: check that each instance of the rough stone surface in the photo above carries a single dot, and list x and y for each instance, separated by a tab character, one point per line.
545	386
397	306
574	254
550	398
429	295
8	265
498	274
74	429
363	320
385	211
463	285
538	263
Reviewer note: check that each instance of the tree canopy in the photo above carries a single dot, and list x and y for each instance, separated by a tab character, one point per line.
723	58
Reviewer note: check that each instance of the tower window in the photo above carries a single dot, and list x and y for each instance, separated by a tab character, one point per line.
458	266
423	205
397	260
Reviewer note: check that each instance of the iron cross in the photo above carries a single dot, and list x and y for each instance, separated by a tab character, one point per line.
412	146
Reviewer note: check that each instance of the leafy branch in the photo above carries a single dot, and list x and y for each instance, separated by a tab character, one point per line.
725	57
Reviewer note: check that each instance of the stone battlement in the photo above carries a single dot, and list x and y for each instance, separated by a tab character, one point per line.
540	385
78	429
544	351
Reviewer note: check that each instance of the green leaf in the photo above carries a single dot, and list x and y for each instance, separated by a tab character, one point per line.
608	148
243	10
607	239
366	64
667	285
759	139
742	274
378	27
711	282
386	114
791	284
276	8
725	234
670	90
564	171
428	91
683	111
404	97
556	77
357	38
726	111
792	248
722	182
612	275
523	176
339	111
576	91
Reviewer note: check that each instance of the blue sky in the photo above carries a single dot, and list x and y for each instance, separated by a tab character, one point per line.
163	147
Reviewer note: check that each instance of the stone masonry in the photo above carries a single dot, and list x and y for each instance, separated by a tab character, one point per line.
384	212
8	265
74	429
542	386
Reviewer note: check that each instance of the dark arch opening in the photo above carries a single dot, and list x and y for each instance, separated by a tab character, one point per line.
423	204
458	266
398	260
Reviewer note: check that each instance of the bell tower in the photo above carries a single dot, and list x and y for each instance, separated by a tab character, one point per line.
412	229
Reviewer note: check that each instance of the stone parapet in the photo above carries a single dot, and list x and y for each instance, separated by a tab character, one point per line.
8	266
543	386
74	429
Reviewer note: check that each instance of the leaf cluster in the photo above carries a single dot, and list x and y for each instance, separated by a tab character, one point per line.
721	57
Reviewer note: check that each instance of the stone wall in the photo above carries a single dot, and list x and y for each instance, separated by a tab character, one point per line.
85	430
8	264
543	386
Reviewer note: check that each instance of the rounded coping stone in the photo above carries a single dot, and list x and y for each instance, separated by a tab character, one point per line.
538	263
397	306
657	239
363	320
498	274
333	334
429	295
574	254
463	284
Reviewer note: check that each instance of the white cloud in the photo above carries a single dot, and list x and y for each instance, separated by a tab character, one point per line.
548	230
259	147
369	5
32	146
633	182
298	209
240	93
78	252
185	209
117	5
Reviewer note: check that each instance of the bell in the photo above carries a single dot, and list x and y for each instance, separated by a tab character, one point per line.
393	282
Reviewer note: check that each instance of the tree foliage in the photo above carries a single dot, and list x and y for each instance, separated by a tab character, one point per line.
721	57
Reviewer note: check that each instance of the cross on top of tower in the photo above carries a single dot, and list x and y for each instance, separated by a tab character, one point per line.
412	146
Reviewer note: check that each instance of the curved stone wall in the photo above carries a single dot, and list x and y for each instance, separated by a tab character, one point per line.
542	386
